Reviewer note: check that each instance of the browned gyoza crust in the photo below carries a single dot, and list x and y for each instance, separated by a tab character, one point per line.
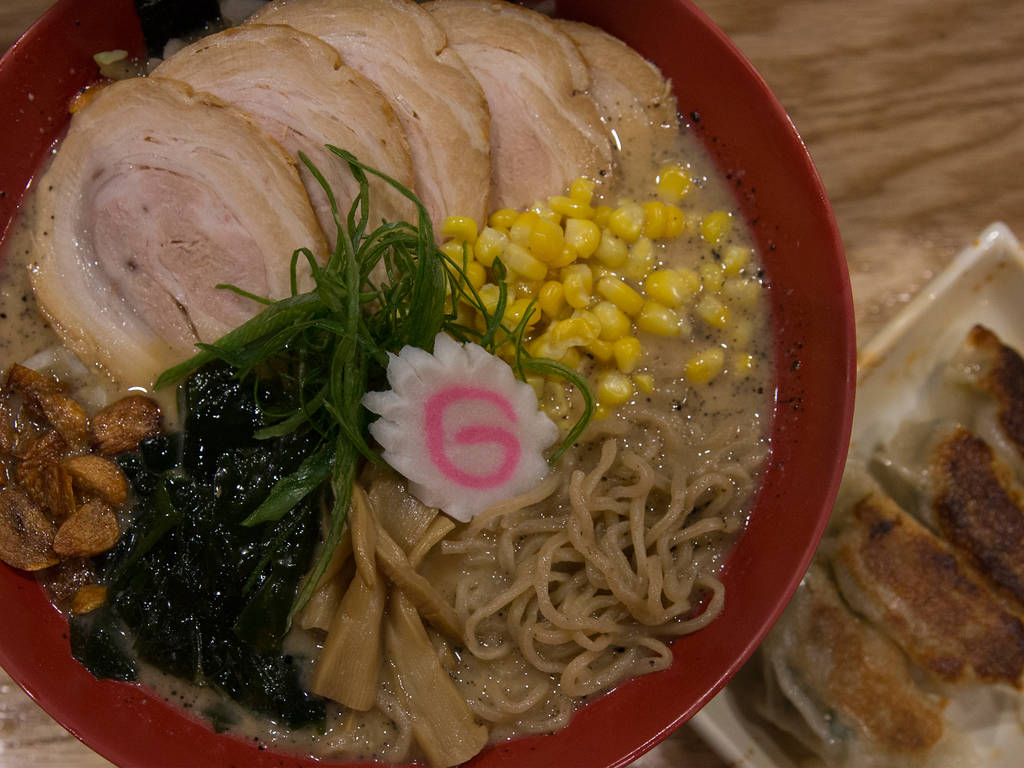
1003	378
902	577
978	509
858	671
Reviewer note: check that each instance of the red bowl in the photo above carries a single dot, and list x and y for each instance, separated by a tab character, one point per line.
753	142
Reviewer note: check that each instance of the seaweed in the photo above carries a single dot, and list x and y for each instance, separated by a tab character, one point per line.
201	595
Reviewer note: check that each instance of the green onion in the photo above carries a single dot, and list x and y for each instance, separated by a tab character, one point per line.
332	344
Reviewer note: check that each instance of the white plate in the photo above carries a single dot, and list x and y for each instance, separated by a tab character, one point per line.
984	284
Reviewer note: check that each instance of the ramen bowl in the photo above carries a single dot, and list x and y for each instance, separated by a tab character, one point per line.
776	189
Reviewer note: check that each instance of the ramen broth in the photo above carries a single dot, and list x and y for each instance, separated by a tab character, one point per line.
741	402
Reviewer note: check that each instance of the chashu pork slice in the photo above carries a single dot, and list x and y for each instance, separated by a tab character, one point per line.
635	102
398	46
156	196
297	90
545	128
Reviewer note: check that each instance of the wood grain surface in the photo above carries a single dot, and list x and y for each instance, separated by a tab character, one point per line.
913	111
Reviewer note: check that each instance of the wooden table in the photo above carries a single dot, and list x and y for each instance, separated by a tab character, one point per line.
913	111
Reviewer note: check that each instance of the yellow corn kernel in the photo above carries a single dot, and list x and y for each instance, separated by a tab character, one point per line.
627	222
640	261
573	331
655	219
506	351
565	258
658	319
551	298
536	384
735	259
602	350
614	322
713	312
584	236
673	183
459	252
601	215
742	291
480	323
465	314
460	228
644	382
519	231
704	366
490	244
546	240
503	218
582	190
601	411
612	251
545	212
578	282
522	262
571	357
675	220
590	320
614	388
672	287
621	295
571	209
476	275
546	346
712	277
744	365
517	310
488	296
715	226
542	346
628	353
527	288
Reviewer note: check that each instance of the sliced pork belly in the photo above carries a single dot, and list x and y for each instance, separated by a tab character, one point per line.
399	47
545	128
910	584
996	371
295	87
156	196
635	102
